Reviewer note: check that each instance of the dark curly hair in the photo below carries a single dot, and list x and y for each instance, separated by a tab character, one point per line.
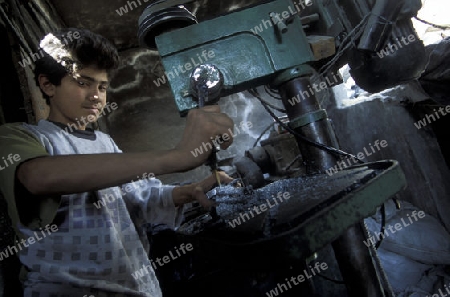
68	50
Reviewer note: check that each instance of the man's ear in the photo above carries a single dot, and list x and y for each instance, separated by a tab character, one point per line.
46	86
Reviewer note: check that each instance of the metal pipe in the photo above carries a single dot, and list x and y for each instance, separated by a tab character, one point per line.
353	256
379	26
320	131
356	265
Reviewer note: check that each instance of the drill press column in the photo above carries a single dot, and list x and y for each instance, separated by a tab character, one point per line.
308	119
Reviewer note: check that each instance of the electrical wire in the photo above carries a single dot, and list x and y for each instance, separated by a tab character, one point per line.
262	134
345	44
272	93
292	162
273	106
442	27
329	149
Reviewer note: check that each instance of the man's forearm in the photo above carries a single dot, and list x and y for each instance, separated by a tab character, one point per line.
58	175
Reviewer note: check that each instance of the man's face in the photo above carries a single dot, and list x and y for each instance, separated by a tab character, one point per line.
80	99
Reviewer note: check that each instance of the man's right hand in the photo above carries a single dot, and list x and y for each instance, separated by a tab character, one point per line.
204	125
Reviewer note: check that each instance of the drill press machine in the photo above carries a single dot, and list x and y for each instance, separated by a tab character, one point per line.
286	45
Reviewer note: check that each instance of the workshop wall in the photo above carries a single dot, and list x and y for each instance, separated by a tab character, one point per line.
119	18
391	117
26	24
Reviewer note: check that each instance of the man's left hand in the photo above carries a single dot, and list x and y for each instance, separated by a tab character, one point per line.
196	191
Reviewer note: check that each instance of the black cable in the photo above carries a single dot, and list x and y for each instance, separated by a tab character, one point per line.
346	43
293	162
262	134
329	149
431	24
271	93
273	106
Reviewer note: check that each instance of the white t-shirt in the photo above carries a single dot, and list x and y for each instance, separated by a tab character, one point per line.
101	239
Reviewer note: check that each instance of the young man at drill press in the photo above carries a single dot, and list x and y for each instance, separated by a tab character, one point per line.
62	173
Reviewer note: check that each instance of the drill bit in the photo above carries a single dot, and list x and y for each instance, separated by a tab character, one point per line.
213	164
218	178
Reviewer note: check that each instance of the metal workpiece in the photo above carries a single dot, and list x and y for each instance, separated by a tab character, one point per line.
278	155
317	211
284	156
